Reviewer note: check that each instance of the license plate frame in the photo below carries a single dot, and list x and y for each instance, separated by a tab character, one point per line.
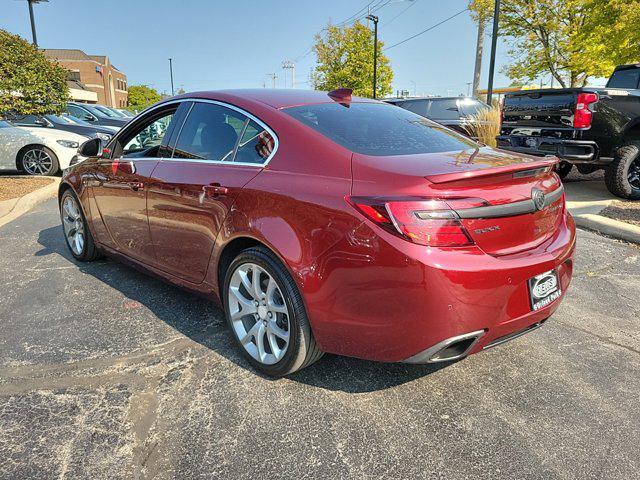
544	289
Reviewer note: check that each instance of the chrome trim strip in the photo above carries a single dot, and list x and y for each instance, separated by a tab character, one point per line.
513	336
425	355
510	209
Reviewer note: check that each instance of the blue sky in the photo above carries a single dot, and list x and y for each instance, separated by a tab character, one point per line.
235	44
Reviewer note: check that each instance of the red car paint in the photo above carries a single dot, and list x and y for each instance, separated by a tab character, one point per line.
368	292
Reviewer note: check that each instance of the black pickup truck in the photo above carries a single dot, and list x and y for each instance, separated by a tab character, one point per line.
591	128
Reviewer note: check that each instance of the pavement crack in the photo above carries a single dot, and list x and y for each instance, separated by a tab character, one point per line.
600	337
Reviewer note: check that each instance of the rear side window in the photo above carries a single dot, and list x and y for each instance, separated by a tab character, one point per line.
624	79
210	132
379	129
416	106
255	145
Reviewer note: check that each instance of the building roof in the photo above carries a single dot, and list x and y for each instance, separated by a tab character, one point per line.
75	55
76	85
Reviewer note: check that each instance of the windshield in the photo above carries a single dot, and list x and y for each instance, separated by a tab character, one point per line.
379	129
107	112
97	112
470	107
65	119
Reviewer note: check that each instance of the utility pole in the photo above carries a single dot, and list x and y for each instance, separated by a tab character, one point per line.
494	40
287	64
374	19
33	20
171	73
273	78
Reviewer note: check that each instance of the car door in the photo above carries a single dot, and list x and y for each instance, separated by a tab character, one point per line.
12	139
218	150
121	182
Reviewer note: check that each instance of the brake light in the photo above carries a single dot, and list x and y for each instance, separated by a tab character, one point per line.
425	222
583	115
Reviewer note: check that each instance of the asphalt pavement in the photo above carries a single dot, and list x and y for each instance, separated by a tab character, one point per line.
108	373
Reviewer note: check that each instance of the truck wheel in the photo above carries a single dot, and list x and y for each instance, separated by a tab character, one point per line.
622	176
563	169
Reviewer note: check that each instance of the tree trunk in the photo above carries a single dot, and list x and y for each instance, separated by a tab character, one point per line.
478	67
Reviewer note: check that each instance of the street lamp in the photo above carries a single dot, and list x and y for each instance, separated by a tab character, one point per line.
171	73
374	19
33	21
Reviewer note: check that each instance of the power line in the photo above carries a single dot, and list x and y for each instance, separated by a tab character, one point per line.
427	29
413	2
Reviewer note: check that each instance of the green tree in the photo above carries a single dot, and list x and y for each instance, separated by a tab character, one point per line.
141	96
345	60
571	40
30	84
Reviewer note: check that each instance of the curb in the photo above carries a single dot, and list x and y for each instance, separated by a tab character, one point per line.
27	202
609	227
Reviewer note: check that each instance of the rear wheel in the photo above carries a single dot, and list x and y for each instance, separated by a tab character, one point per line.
38	160
622	176
76	233
563	169
266	315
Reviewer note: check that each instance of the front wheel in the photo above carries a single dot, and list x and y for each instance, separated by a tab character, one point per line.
38	160
622	176
266	315
76	231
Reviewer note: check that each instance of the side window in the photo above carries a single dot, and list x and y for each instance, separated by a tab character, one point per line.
145	141
624	79
210	132
27	120
443	109
255	145
416	106
76	111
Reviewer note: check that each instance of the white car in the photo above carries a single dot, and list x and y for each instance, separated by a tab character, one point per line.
37	151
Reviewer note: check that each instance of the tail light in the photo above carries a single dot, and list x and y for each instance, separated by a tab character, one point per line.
582	116
425	222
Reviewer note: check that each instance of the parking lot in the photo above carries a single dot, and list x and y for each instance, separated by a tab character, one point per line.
108	373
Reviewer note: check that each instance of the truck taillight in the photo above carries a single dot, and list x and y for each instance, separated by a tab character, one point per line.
582	116
425	222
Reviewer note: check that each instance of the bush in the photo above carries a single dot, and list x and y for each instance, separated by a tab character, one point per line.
30	84
485	125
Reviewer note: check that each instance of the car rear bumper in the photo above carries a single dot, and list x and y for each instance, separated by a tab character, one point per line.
575	151
381	298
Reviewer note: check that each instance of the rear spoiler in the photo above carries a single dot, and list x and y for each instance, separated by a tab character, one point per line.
523	168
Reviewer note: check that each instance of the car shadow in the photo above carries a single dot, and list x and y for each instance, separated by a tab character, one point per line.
202	321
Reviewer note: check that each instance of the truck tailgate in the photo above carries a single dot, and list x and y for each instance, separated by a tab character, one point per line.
540	109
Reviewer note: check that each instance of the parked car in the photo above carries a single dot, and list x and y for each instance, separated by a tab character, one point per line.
453	112
37	151
591	128
326	223
89	113
126	113
64	122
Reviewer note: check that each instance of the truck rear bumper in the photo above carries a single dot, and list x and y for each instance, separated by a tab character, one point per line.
574	151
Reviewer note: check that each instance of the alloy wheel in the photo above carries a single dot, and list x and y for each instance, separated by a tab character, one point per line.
73	225
37	162
259	313
633	176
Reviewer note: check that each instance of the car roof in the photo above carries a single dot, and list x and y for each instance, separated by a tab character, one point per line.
276	98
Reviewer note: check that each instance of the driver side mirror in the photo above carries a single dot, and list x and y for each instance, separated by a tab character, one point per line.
89	118
91	148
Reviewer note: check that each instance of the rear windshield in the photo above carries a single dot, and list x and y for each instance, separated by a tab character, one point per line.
379	129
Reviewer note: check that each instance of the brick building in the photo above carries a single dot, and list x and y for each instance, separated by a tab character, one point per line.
95	73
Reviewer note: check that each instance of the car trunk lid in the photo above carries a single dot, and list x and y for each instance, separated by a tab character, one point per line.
507	203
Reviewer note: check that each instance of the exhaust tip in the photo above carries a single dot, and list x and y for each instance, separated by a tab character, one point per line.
449	349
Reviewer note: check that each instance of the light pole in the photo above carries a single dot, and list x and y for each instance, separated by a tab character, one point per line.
171	73
494	40
374	19
33	20
287	64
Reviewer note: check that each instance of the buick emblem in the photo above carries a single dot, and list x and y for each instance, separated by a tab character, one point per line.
538	198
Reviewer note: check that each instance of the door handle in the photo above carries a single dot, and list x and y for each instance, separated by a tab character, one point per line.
214	190
135	186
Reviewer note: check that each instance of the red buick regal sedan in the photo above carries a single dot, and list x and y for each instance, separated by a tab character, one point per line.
326	223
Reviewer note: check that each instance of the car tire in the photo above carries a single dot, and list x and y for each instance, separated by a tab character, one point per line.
563	169
76	231
38	160
254	325
622	176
